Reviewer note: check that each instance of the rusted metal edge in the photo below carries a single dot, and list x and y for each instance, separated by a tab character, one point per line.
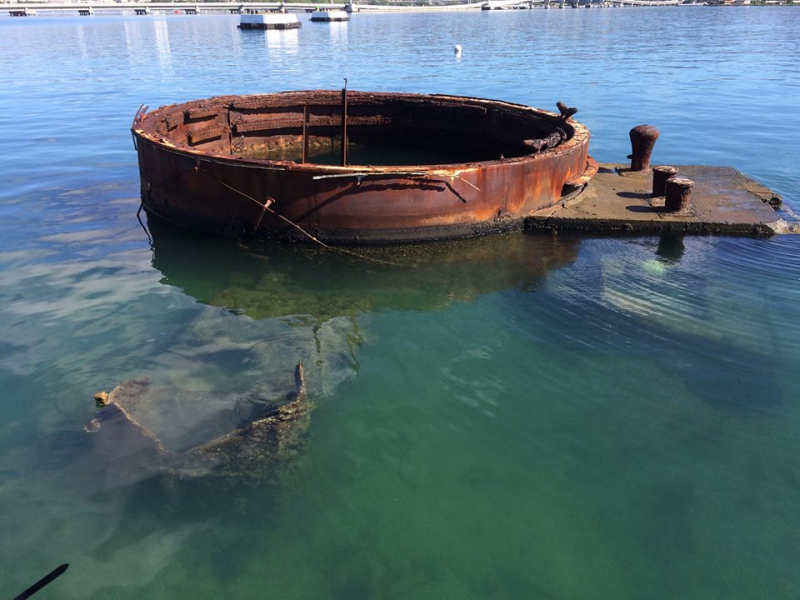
501	190
254	126
204	135
580	134
332	171
591	170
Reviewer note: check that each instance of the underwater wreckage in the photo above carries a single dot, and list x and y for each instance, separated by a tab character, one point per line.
356	167
266	447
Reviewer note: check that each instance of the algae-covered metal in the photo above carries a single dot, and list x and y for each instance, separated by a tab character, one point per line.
423	166
266	447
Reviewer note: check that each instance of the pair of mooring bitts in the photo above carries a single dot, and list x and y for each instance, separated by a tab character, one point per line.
676	190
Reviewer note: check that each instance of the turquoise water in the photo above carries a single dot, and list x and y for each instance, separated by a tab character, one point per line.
516	417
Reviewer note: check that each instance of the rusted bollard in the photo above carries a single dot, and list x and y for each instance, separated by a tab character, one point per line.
643	138
678	193
660	176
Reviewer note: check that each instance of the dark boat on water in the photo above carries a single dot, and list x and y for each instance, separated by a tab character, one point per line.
356	167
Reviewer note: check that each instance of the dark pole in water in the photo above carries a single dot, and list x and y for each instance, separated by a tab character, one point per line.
344	124
305	134
42	582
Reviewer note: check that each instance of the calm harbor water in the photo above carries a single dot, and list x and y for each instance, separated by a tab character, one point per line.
515	417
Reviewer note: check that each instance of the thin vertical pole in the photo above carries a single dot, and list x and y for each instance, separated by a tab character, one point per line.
304	158
344	124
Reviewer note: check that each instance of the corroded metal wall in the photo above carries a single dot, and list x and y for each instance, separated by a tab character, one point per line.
198	170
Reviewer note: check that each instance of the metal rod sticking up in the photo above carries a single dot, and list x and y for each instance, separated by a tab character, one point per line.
304	158
344	123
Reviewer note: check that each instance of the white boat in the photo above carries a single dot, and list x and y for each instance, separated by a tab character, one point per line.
269	20
327	16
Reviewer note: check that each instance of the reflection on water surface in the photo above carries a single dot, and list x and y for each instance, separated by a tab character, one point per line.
265	280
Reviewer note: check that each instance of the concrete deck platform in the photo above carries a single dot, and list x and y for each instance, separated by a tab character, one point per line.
723	201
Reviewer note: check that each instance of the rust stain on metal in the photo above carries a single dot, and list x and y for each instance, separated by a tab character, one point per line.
344	124
643	139
677	193
660	176
458	167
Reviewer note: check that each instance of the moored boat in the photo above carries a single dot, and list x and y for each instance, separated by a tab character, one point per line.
356	167
328	16
269	20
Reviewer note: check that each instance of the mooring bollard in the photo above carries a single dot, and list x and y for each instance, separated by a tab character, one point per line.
660	176
643	138
678	193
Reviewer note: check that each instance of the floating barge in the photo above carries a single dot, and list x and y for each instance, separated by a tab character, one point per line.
22	12
329	16
269	20
357	167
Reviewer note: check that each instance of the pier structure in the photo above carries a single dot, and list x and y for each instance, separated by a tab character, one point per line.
89	8
147	8
522	4
695	199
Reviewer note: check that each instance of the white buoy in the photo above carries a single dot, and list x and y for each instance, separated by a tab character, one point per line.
458	49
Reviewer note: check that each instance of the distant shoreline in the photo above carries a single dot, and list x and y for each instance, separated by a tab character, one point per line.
30	8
